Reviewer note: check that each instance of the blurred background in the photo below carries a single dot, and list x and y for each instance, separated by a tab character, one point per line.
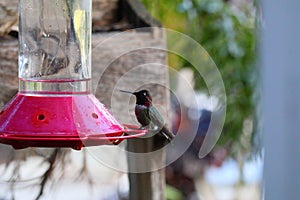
227	30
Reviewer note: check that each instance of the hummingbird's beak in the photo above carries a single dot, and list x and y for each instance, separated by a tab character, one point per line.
126	92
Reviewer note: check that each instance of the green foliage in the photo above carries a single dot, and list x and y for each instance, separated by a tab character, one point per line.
166	11
172	193
227	32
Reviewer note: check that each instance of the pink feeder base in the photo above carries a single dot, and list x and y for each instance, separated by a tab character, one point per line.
61	121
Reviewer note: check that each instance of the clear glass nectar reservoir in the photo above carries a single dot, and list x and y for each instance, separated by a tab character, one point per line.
54	46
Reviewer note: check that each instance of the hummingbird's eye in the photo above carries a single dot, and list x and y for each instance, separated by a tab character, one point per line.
145	94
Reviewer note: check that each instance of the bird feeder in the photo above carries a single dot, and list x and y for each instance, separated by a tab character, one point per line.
55	106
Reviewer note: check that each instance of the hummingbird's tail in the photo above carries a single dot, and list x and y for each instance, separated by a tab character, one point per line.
163	138
167	134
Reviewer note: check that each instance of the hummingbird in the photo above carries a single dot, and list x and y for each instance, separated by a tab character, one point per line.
149	117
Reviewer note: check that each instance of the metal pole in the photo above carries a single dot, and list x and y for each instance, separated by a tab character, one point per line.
281	98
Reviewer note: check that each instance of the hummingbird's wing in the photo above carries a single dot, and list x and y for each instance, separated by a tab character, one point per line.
158	123
156	117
